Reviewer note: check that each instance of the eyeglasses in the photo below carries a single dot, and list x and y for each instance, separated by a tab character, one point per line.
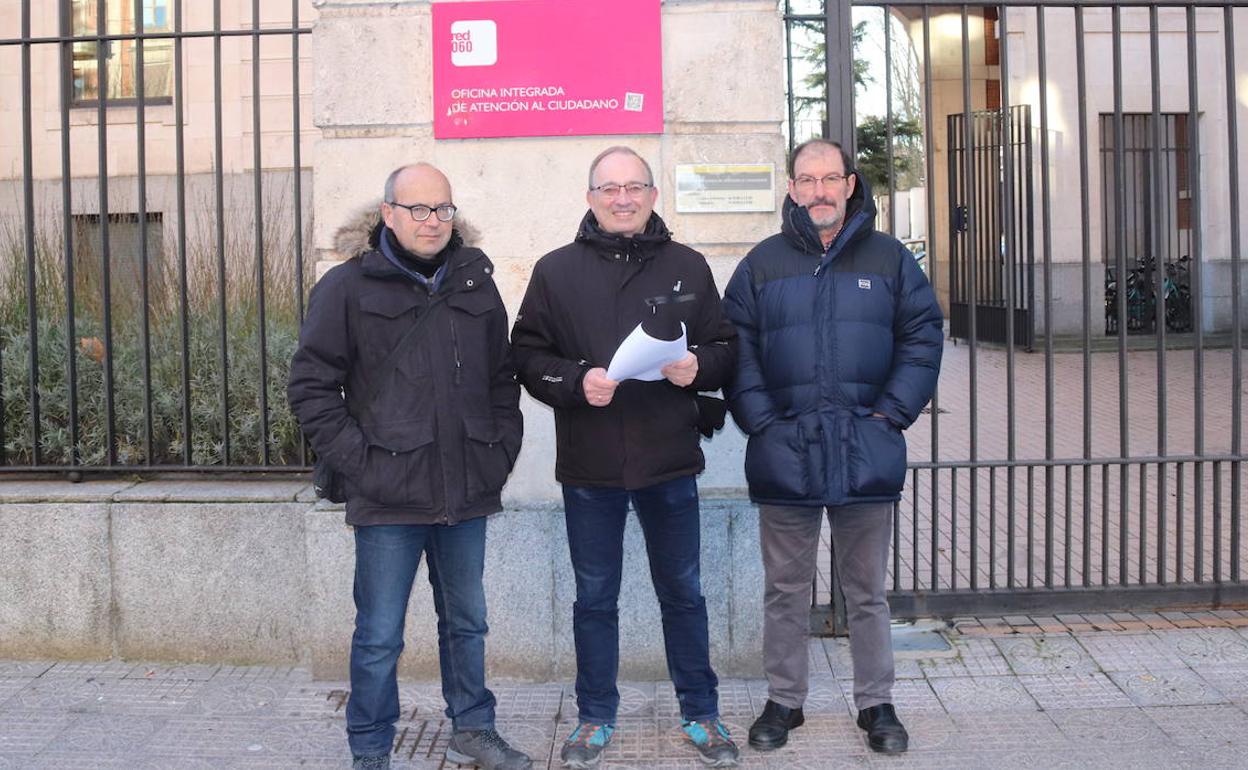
807	183
634	189
420	212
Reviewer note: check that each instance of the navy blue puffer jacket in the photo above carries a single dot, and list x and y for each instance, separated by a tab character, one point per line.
827	340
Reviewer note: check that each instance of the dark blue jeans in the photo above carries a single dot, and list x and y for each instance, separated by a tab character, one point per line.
386	558
670	521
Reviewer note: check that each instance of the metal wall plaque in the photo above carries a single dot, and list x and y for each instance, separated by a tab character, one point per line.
725	187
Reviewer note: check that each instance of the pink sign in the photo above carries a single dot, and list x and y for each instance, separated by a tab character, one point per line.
547	68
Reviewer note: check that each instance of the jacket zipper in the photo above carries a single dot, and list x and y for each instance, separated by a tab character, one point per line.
446	482
459	364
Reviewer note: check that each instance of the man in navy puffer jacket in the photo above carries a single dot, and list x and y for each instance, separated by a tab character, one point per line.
840	345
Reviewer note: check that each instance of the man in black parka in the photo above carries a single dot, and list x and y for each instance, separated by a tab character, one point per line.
403	383
628	441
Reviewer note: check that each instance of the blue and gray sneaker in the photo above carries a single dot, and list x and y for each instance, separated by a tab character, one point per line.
584	747
714	744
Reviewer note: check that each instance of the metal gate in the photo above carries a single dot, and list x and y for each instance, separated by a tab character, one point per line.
987	272
1102	471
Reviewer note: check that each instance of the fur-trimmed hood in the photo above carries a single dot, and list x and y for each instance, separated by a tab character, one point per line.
360	232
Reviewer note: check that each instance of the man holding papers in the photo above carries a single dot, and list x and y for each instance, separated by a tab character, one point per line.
631	439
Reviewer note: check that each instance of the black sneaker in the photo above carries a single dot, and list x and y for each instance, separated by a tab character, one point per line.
884	731
485	749
381	762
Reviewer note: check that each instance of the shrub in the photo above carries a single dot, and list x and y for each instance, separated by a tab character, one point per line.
209	412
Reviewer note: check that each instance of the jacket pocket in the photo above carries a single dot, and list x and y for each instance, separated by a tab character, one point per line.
486	461
776	464
399	469
875	457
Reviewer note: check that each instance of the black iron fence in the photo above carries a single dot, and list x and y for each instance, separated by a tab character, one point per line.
147	316
1096	472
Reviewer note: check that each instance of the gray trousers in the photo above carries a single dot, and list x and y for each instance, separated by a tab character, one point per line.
861	537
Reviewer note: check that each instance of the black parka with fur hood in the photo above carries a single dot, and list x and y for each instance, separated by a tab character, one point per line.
438	440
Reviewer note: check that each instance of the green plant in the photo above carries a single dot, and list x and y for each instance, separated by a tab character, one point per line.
210	412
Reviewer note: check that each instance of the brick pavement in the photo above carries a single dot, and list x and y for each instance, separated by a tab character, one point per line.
1138	690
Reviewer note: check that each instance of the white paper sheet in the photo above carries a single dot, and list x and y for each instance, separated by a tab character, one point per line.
640	356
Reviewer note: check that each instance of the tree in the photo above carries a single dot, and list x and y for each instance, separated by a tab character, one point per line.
872	136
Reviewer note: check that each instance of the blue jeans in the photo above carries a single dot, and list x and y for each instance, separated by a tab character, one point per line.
670	521
386	558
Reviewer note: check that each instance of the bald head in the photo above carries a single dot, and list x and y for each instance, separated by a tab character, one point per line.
417	184
412	170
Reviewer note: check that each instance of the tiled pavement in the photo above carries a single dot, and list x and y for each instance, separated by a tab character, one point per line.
1150	694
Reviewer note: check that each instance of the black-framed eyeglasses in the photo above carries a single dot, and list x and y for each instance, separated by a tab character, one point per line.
420	212
634	189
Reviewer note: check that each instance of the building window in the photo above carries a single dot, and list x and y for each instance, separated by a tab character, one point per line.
1140	180
120	56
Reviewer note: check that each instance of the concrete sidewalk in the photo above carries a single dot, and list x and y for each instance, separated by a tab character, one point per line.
994	698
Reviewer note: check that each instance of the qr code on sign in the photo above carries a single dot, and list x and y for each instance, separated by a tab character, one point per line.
633	102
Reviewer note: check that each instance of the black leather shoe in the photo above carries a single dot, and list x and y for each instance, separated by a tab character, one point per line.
884	731
771	730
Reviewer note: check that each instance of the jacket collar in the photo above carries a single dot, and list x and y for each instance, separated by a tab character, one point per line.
641	245
800	230
375	264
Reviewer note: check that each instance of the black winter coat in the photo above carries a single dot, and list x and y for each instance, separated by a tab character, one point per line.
830	338
439	439
581	302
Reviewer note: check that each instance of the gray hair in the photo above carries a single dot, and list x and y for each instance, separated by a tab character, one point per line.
621	149
821	142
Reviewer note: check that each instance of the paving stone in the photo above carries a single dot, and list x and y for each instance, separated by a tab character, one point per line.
1130	652
1233	683
24	669
307	737
1075	691
60	760
240	697
195	736
1175	687
318	700
195	672
930	730
781	760
1203	726
1108	727
150	697
911	696
826	695
58	694
22	732
108	669
826	735
842	662
818	657
10	687
1012	730
542	701
734	700
419	701
982	694
107	734
263	673
1058	654
975	657
1208	647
